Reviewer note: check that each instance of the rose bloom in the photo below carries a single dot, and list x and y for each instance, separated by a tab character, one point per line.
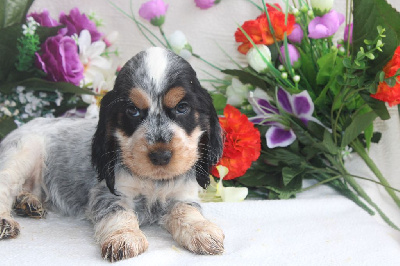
59	59
386	93
242	143
259	31
76	22
44	18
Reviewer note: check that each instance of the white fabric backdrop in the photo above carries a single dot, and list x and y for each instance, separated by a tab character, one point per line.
343	233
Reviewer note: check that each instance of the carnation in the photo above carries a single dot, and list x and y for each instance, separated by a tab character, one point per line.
242	143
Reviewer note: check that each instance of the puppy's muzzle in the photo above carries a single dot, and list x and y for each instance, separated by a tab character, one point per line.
160	157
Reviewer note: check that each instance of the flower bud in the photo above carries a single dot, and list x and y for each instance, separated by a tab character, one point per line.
154	11
294	55
180	45
297	34
281	68
284	75
321	7
296	78
258	58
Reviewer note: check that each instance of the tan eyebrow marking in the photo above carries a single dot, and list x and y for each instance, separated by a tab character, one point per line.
140	98
174	96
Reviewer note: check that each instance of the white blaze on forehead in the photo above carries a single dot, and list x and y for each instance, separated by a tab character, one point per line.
156	62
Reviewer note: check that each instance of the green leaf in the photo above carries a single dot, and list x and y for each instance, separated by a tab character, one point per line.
13	12
308	69
358	124
379	107
44	85
288	173
219	102
8	50
6	126
290	190
367	16
326	65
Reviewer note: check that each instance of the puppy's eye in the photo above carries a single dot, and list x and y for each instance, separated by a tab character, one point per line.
132	111
182	108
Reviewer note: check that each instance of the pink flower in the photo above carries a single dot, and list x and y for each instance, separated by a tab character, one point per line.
325	26
346	33
205	4
294	54
76	22
59	59
44	18
154	11
297	34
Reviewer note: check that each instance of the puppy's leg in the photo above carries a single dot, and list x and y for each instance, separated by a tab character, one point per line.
28	205
191	230
19	162
116	226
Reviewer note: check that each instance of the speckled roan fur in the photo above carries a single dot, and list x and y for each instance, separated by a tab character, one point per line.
76	166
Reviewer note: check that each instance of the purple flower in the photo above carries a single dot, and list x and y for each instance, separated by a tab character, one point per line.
76	22
44	19
279	135
205	4
297	34
325	26
59	59
346	33
154	11
294	54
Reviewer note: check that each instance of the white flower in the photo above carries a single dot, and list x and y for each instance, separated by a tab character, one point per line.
92	111
236	92
180	45
346	153
229	194
90	56
321	7
257	60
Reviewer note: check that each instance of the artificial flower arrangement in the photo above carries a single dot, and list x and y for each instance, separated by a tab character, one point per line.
305	101
49	67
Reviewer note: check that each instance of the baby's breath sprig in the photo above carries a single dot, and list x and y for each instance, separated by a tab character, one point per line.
28	45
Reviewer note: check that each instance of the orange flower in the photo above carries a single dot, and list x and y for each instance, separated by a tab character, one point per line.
259	31
385	93
242	143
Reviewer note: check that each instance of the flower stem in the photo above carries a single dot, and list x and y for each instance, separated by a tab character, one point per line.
165	38
351	181
359	148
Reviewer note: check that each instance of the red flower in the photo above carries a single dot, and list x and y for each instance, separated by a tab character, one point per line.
385	93
242	143
259	31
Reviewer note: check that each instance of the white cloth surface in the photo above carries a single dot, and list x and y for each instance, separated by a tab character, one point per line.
319	227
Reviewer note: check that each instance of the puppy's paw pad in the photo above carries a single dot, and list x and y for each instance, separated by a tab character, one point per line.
29	205
9	228
206	239
124	245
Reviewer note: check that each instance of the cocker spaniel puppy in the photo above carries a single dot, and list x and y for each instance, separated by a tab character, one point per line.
141	162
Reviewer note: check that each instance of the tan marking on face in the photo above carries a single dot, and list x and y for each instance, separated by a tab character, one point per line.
135	153
174	96
140	98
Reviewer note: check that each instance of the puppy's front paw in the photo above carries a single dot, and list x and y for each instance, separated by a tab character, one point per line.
29	205
124	245
204	237
9	228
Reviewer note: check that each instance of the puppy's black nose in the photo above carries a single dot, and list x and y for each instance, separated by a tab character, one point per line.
160	157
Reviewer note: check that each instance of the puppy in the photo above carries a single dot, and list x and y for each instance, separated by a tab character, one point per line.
141	163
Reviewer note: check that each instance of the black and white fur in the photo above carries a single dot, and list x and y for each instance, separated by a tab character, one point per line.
141	162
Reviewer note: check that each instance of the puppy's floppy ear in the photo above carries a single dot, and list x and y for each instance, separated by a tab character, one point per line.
104	146
210	147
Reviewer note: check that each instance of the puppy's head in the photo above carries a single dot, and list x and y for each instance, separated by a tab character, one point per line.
158	122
